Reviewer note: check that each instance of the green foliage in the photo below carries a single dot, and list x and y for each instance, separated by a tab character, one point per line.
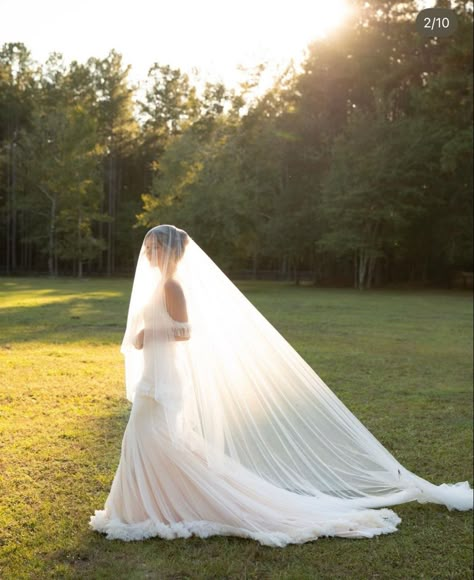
383	178
61	161
356	167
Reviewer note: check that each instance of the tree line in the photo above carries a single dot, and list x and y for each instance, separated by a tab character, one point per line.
355	167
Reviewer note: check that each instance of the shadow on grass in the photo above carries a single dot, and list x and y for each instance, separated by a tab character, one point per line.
87	318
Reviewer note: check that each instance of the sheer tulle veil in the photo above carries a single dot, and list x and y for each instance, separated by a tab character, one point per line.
232	384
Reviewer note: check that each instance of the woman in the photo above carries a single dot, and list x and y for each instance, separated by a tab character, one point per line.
231	432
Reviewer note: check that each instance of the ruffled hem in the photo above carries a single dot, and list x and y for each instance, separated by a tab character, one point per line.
385	521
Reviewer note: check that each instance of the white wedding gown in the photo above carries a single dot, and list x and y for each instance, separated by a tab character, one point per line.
231	432
163	490
159	490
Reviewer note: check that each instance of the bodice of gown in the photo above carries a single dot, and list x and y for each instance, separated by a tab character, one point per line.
164	361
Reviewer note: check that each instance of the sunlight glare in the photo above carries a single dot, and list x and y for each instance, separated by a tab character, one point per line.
192	34
288	26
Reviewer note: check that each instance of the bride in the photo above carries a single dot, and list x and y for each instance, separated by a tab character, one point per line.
231	432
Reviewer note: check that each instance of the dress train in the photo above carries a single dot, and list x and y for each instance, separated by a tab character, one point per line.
169	492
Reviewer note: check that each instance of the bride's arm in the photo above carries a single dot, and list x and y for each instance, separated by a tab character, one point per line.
176	305
139	340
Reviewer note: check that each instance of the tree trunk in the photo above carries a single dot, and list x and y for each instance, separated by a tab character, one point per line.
8	210
296	272
255	264
23	245
29	246
51	241
111	215
424	272
79	247
364	270
101	237
356	267
360	274
13	199
317	269
284	268
370	271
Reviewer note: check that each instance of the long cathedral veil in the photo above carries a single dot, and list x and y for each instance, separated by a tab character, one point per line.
233	387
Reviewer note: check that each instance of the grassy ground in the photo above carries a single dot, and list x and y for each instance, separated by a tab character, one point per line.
401	361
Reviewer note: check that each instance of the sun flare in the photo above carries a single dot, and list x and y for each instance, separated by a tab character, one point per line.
272	32
189	35
284	27
312	20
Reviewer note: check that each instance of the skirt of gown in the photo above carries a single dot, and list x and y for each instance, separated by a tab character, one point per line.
161	490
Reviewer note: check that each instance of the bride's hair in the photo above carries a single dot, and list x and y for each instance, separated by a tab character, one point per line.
171	238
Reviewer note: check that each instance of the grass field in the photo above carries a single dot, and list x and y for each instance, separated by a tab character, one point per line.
401	361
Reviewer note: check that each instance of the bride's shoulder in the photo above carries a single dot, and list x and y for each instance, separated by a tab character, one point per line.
175	300
172	286
172	282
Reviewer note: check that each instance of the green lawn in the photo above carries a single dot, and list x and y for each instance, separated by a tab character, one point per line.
400	360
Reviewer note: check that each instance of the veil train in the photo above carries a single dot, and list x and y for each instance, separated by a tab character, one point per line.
239	404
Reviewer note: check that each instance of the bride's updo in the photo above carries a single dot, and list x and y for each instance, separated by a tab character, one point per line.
171	238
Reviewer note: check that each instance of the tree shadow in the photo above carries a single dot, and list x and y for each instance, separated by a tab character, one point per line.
64	315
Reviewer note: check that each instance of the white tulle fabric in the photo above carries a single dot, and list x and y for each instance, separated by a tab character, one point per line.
231	432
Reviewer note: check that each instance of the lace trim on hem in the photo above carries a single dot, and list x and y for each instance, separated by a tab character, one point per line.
118	530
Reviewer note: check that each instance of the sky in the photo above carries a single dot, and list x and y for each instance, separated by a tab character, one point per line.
210	35
213	36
